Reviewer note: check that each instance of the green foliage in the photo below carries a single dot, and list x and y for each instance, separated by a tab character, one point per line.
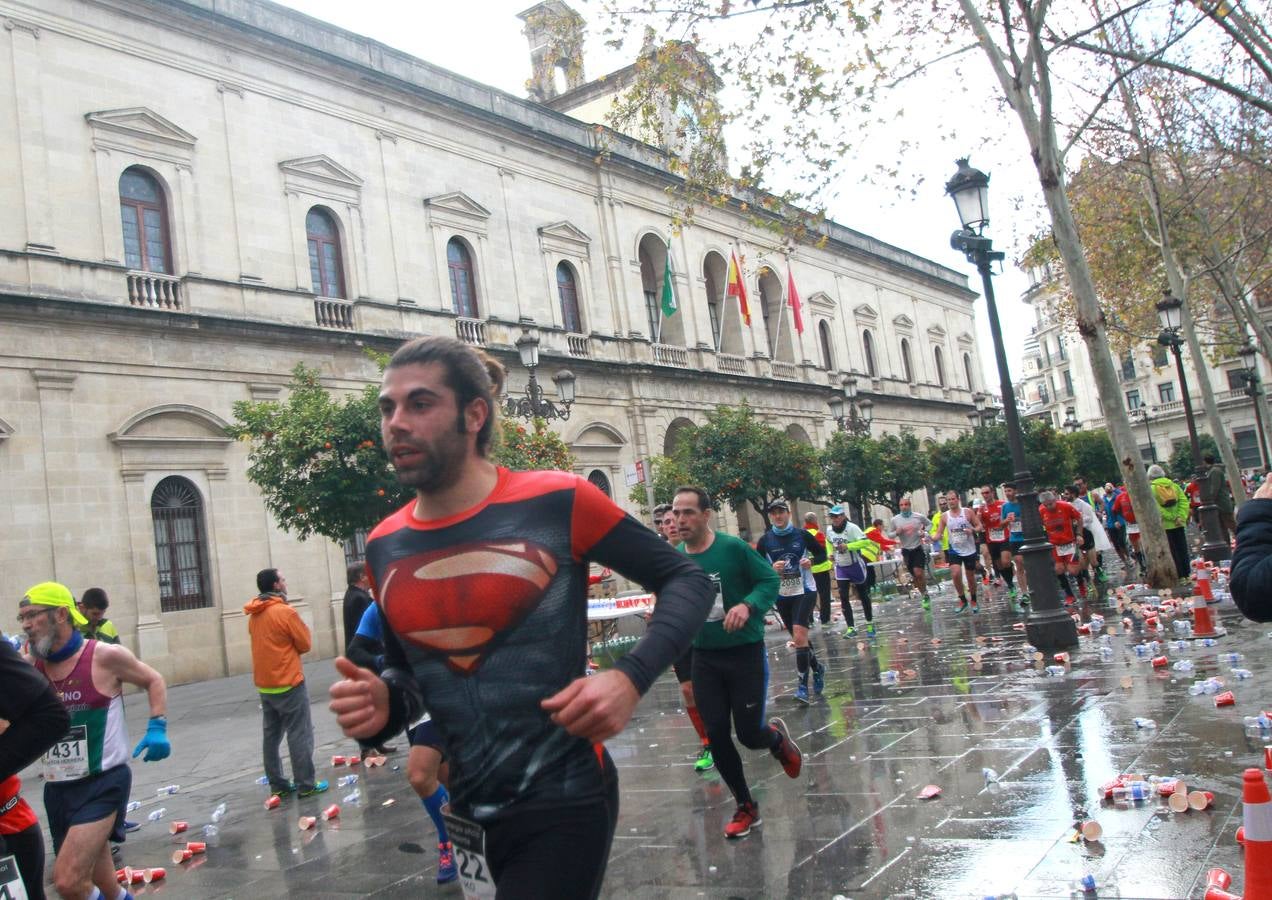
318	460
320	465
530	449
851	466
1180	465
739	459
982	456
904	466
1093	457
667	473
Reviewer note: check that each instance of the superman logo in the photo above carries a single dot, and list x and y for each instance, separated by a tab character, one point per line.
454	602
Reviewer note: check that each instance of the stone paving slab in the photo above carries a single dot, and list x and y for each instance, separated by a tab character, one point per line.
851	826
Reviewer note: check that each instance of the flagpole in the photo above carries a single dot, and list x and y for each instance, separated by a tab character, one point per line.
781	315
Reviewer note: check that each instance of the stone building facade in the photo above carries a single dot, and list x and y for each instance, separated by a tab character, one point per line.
198	196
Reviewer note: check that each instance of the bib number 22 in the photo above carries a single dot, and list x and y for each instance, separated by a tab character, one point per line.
469	842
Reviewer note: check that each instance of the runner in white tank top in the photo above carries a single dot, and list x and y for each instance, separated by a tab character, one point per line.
961	524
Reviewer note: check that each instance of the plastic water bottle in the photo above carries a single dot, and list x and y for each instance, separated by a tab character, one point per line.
1054	671
346	780
1132	792
1141	650
1083	886
156	815
889	676
134	805
991	777
168	790
1242	674
219	813
1230	658
1184	665
1208	642
352	799
263	780
1029	650
1257	723
1106	653
1141	722
1178	645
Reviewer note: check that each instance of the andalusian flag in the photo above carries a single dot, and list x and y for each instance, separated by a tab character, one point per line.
669	306
736	287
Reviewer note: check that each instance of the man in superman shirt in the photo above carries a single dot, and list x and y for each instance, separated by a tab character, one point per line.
482	584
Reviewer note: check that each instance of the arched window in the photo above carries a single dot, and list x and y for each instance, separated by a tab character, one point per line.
181	551
776	324
967	370
939	358
568	291
601	481
823	337
326	269
867	345
725	314
906	364
145	219
459	262
715	298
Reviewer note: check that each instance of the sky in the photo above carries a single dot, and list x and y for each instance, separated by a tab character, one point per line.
482	40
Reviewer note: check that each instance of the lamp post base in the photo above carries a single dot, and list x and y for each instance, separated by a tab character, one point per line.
1051	630
1213	547
1049	626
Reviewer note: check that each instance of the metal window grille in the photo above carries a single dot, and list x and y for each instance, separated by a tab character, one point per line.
180	546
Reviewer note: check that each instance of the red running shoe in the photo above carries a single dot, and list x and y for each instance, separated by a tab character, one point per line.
747	816
787	752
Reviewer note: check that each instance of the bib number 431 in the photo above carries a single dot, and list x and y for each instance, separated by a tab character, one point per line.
11	887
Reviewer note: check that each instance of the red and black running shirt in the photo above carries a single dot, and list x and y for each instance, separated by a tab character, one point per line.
1063	523
485	615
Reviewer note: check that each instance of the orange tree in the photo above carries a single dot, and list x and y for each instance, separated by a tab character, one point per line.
739	459
320	465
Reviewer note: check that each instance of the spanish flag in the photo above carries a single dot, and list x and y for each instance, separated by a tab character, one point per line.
737	287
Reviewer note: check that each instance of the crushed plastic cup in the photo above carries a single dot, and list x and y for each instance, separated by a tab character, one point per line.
211	833
331	812
346	780
1062	657
178	827
273	801
168	790
1183	665
304	823
219	813
374	762
156	815
1141	722
134	805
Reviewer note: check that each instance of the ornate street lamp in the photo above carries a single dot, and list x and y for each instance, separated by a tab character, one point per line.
535	405
1071	423
1144	414
850	414
1249	363
1170	312
1048	626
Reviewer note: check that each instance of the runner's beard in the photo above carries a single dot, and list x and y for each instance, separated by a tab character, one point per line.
41	646
440	466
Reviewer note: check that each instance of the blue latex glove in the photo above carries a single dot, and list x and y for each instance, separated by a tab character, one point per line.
155	742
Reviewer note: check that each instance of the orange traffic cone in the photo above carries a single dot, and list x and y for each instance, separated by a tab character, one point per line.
1203	619
1203	583
1258	836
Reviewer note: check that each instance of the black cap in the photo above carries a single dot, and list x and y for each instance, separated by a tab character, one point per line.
779	504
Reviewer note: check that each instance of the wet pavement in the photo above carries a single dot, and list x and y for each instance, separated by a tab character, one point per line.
852	824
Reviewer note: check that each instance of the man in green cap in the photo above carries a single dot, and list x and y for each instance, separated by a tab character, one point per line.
86	774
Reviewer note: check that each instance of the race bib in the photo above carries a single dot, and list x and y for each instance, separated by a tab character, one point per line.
997	535
67	760
11	887
1067	549
791	585
1017	526
469	842
1132	528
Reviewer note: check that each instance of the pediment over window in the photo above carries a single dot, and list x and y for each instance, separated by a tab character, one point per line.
321	176
965	340
457	210
142	132
173	424
936	333
6	430
822	302
903	322
598	435
563	237
865	311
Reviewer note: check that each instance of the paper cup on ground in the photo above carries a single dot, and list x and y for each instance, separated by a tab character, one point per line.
180	855
273	802
196	847
338	760
1200	800
1091	830
155	874
304	823
178	827
1178	802
331	812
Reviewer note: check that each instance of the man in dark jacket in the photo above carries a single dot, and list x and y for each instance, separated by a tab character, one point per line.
1217	487
1252	562
356	599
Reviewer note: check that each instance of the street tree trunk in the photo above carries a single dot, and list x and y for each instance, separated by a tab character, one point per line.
1027	75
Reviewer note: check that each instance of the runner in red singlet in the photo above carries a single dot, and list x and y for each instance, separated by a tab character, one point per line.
1063	524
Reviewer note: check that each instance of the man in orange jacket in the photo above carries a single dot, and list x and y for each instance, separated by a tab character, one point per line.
279	637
